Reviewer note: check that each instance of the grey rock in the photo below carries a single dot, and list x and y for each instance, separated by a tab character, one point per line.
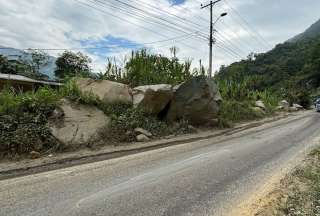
107	91
35	155
80	124
298	106
142	138
293	109
170	136
152	98
143	131
260	104
285	104
259	110
196	100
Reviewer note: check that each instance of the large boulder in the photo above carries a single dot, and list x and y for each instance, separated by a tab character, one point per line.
196	100
107	91
152	98
76	125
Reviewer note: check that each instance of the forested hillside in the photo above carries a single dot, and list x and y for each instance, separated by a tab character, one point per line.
290	68
311	33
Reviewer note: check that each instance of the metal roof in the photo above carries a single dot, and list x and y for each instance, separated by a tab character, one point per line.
15	77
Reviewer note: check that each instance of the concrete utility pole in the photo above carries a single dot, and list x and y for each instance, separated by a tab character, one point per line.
211	4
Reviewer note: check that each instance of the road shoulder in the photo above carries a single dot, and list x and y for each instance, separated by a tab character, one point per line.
292	190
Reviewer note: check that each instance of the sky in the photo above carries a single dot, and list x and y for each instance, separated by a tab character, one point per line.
115	27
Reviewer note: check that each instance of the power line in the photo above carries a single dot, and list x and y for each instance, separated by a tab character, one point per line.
250	27
174	25
128	21
152	16
184	21
197	25
182	37
142	14
226	40
234	33
218	43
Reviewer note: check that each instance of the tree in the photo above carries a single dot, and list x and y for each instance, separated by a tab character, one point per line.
4	64
39	59
70	64
12	67
32	67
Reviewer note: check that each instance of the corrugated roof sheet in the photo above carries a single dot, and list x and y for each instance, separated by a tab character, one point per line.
26	79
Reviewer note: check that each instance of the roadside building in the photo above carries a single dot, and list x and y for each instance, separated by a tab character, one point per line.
22	83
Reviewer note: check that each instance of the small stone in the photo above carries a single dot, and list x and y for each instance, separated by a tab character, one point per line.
129	133
260	104
259	110
57	114
50	155
142	138
35	155
170	136
285	104
191	128
143	131
280	108
293	109
298	106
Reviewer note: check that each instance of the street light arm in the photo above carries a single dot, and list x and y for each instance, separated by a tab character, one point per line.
222	15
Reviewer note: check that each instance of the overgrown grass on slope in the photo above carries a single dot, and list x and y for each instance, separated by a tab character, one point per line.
239	101
24	117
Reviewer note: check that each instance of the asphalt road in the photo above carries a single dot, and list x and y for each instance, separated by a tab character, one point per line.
207	177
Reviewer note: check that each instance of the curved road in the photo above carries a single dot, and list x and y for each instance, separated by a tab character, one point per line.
206	177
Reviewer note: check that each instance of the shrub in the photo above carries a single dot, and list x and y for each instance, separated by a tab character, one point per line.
235	111
25	133
125	118
146	68
37	102
23	120
71	91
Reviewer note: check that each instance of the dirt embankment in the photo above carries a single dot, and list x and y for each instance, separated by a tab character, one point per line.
298	194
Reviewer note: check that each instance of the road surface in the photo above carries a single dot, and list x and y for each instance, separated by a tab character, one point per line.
207	177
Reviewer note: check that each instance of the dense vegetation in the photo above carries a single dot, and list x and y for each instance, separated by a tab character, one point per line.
71	64
290	70
146	68
24	117
29	68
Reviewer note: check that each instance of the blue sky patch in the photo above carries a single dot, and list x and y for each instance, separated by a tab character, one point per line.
176	2
109	44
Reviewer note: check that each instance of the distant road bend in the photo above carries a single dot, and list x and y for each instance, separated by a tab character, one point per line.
206	177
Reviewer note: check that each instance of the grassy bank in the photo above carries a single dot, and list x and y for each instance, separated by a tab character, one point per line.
24	120
239	102
299	192
24	116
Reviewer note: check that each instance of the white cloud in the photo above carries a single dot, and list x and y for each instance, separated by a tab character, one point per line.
62	24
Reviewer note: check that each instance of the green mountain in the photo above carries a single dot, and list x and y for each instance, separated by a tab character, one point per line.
311	33
290	66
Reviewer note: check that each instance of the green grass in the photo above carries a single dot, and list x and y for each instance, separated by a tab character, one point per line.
232	111
239	101
41	101
24	117
125	118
